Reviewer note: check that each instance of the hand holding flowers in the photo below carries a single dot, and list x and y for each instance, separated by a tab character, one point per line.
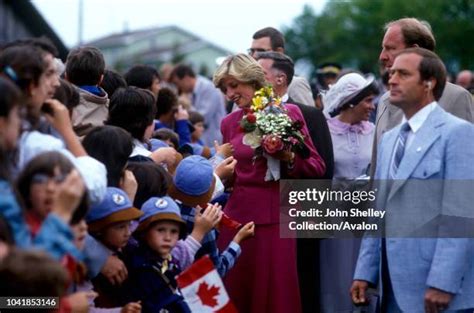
271	132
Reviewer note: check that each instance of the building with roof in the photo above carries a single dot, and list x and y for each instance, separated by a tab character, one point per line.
20	19
159	45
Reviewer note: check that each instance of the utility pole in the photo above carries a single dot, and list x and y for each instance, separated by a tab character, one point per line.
80	22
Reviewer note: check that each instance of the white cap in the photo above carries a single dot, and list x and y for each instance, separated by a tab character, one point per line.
347	87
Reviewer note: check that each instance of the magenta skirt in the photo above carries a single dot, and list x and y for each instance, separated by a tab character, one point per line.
265	277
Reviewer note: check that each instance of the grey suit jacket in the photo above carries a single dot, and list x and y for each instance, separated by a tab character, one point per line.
300	91
440	155
455	100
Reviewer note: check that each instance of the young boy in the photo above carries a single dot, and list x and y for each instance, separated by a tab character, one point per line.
197	120
85	67
193	186
152	267
109	223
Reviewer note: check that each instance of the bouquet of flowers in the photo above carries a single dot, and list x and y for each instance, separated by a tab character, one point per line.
268	130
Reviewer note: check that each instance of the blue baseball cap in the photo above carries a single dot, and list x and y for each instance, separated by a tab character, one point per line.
193	182
160	209
116	207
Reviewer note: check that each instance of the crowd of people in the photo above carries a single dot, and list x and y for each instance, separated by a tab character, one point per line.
112	185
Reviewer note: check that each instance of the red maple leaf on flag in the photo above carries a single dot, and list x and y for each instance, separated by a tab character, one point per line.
208	294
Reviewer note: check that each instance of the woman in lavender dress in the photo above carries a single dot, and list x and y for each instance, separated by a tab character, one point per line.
349	103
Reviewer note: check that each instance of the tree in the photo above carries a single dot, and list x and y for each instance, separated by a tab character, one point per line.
351	32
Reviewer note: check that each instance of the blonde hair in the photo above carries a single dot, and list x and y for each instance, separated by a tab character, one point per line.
243	68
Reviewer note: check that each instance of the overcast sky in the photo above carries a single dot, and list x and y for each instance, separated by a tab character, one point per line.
227	23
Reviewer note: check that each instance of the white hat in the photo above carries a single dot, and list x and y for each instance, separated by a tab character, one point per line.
346	88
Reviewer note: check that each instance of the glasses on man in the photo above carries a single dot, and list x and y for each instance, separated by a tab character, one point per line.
252	51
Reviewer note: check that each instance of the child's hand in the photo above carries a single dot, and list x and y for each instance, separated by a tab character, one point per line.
79	301
204	222
226	168
245	232
164	155
129	184
132	307
226	150
69	196
181	114
114	270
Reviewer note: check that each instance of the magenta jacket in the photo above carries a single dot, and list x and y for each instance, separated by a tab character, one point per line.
253	198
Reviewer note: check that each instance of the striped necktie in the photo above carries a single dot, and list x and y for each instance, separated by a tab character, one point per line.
399	149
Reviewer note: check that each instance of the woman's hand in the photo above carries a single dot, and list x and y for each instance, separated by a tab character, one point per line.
58	115
284	155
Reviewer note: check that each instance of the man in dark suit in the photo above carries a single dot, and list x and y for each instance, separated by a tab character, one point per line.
399	35
279	71
271	39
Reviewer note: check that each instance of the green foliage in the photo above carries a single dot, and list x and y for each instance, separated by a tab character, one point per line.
351	32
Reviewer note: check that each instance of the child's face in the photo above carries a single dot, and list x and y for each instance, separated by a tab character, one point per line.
80	231
43	192
116	235
10	129
198	130
155	86
162	236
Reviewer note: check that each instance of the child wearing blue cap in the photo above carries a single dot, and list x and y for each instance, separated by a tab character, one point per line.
109	222
193	186
152	267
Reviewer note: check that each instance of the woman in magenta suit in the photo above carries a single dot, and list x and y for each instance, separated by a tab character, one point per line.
265	277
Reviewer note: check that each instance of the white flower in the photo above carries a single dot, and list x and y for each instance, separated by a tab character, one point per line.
252	139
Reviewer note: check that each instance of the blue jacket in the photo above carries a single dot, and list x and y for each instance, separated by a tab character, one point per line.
434	179
55	237
155	290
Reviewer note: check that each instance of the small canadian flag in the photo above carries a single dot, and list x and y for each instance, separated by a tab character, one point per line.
203	289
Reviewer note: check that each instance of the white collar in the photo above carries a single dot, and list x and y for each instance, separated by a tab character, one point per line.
417	120
139	149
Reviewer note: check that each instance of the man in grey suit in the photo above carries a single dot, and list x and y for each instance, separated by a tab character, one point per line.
430	148
271	39
401	34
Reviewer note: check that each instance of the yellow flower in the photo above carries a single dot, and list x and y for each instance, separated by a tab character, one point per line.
257	103
262	97
277	101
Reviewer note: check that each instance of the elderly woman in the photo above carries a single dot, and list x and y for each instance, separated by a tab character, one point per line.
349	102
265	277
